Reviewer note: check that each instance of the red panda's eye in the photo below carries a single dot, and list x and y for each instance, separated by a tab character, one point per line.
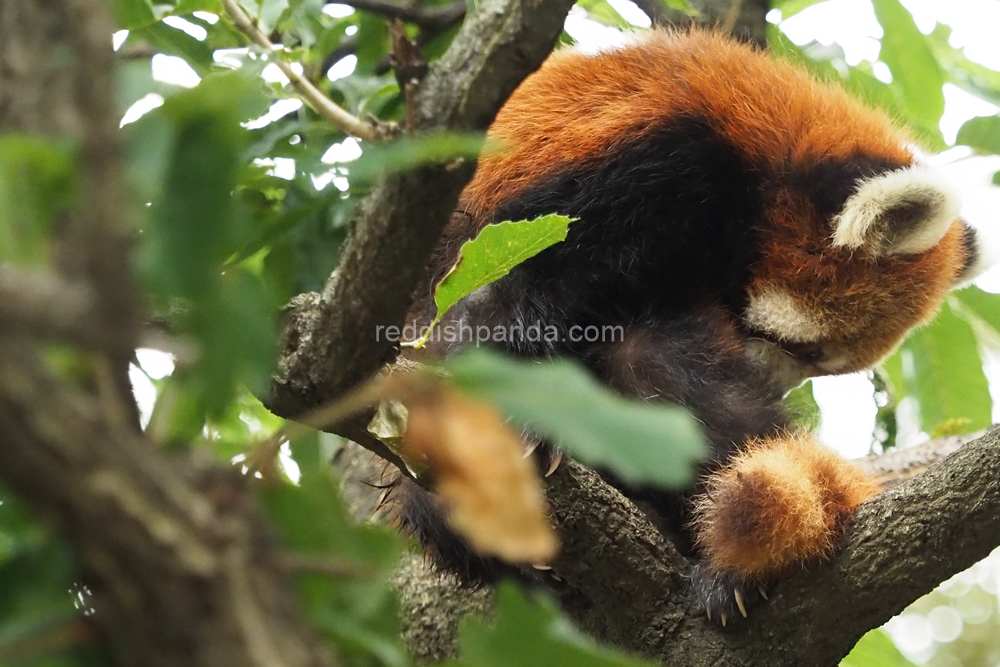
809	353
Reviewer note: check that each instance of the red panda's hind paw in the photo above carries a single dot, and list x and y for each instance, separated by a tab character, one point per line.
779	504
725	596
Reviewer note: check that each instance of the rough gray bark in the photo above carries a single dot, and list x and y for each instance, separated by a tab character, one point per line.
621	581
180	560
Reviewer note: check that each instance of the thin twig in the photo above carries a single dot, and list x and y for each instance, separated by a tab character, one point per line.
313	96
427	17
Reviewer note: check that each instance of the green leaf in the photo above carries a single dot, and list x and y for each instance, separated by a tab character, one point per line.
985	306
37	183
411	152
886	430
531	632
601	12
790	8
373	42
943	371
982	134
682	6
195	226
916	74
133	14
191	6
801	404
174	42
491	255
641	442
269	12
828	63
37	573
358	611
972	77
875	650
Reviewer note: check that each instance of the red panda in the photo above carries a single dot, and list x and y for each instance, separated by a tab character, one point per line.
747	227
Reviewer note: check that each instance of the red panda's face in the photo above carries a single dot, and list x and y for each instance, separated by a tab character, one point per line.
835	294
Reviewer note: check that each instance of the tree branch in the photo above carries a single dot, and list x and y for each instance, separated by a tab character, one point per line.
432	21
384	257
743	19
623	582
179	558
428	17
50	307
628	583
313	96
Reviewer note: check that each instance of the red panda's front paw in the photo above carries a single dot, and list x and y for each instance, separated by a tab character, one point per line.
781	502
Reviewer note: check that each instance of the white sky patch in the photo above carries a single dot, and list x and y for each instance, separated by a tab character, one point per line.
591	36
849	23
273	74
960	106
144	392
974	25
230	57
157	363
288	464
631	13
343	67
174	70
350	30
193	29
334	176
882	72
140	108
278	110
118	39
345	151
337	11
207	17
848	406
913	636
280	167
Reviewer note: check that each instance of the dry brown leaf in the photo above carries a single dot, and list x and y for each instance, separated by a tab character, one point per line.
493	494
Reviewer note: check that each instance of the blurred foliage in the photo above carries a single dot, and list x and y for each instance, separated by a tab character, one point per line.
529	631
242	199
564	403
875	650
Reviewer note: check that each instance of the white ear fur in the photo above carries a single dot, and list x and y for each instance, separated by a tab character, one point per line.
902	212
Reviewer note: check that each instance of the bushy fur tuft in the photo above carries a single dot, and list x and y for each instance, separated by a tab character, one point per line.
779	502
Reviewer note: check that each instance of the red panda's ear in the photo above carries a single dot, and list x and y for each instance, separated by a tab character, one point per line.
903	212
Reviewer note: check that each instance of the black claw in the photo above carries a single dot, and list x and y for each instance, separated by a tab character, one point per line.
725	595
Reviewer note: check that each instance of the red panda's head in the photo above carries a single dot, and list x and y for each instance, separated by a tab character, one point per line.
835	291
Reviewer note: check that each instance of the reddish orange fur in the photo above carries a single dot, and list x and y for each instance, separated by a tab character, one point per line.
778	503
777	115
769	109
784	500
868	306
